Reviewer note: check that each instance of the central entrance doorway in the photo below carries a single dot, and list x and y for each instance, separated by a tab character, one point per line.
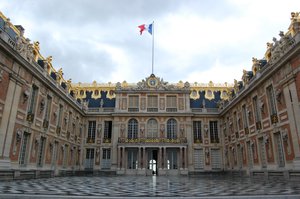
152	161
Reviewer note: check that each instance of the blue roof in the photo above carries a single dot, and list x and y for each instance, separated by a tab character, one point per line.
41	63
1	23
12	34
53	75
198	103
95	103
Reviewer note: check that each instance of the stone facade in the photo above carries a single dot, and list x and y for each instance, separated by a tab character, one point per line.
51	126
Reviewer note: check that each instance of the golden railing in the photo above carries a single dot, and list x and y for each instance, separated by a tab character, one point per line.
153	140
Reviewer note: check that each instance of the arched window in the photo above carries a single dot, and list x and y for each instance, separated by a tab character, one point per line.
171	129
152	129
132	129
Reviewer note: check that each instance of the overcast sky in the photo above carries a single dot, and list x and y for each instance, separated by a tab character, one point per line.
195	40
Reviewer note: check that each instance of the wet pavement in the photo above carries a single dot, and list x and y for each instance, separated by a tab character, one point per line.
150	186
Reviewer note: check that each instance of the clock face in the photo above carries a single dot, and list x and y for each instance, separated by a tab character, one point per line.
152	82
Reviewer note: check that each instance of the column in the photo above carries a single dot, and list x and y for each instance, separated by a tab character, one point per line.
159	159
100	156
8	121
180	161
185	158
123	158
119	158
144	158
139	158
293	111
114	141
165	158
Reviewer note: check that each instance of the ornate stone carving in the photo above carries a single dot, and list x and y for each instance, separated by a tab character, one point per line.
279	47
48	64
42	105
247	75
85	104
285	138
59	76
152	83
295	23
162	130
122	130
278	94
36	50
25	48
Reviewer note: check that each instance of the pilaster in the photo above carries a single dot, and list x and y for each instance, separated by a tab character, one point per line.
290	94
8	121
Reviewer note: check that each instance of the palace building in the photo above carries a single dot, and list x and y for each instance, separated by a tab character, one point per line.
50	126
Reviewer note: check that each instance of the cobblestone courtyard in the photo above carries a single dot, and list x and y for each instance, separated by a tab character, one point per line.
156	186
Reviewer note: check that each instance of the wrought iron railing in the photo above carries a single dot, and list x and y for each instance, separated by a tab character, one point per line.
153	140
106	140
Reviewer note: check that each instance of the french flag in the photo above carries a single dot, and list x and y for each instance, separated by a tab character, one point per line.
143	27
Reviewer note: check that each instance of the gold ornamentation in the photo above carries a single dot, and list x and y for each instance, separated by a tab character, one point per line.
111	94
209	94
209	89
195	94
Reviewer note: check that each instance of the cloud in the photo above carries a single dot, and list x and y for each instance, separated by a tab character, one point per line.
194	40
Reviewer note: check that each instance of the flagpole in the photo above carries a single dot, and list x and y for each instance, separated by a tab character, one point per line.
152	47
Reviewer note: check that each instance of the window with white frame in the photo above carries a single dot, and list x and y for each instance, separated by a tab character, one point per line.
256	109
214	135
91	132
107	131
60	110
41	151
197	132
245	118
172	159
132	129
271	99
236	122
24	148
152	103
133	105
152	128
172	129
54	154
33	99
171	103
106	158
132	162
47	112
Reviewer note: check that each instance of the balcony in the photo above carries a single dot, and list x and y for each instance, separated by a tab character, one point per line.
205	110
106	140
246	130
90	140
182	140
258	125
30	117
197	140
152	109
274	118
214	140
58	129
133	109
45	124
171	109
100	110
